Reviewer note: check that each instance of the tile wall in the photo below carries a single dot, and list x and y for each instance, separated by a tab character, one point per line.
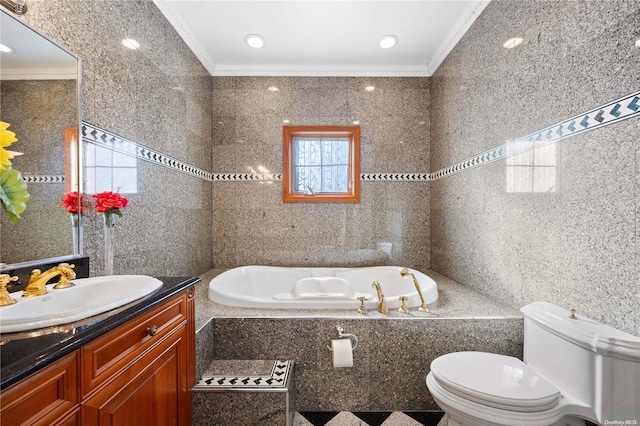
158	96
253	226
572	237
390	363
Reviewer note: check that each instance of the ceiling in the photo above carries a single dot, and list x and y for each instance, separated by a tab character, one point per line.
32	56
321	38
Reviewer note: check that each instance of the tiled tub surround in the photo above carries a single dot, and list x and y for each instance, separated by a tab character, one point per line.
159	96
253	226
393	353
576	246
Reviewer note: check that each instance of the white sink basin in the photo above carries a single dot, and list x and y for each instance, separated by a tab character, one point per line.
89	297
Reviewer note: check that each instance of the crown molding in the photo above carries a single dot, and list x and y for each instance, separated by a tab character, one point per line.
457	32
180	25
39	74
322	70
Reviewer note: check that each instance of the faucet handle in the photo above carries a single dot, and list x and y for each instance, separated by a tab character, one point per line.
403	309
5	297
362	309
66	274
5	279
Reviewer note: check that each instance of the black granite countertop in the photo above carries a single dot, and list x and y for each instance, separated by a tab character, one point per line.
24	353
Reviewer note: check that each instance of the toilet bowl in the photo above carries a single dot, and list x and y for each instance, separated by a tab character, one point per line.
573	369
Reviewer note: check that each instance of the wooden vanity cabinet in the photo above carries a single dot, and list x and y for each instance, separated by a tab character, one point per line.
48	397
140	373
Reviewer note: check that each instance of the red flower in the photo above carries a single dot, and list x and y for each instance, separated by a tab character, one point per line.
72	202
110	202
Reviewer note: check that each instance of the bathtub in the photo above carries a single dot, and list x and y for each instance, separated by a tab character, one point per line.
317	288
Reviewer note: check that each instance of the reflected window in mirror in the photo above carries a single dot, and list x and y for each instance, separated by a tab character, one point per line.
532	171
321	164
109	170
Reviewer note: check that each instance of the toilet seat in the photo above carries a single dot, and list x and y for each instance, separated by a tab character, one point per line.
495	380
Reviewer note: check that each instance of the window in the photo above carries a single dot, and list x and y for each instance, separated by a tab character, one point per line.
109	170
532	171
321	164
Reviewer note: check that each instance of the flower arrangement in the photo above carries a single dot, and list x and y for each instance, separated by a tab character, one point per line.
13	188
72	202
110	203
7	137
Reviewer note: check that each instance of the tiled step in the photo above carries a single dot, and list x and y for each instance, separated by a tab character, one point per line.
245	392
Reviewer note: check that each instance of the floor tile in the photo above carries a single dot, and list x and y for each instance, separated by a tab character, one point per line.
319	418
373	418
427	418
345	418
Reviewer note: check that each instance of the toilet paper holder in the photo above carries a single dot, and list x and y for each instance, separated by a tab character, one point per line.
342	335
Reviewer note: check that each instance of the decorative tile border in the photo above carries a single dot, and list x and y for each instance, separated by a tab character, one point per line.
43	178
277	177
613	112
610	113
95	135
276	379
398	177
246	177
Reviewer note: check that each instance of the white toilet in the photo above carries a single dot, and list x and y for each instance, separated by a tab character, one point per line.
573	369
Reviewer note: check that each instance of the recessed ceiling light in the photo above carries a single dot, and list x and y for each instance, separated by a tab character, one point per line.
272	89
7	49
388	41
254	40
370	88
130	43
356	122
512	42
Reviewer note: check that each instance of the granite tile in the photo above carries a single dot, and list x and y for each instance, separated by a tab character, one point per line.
520	247
204	347
240	408
224	102
159	96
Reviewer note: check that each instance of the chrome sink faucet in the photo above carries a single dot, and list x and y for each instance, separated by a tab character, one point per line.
382	305
38	280
405	273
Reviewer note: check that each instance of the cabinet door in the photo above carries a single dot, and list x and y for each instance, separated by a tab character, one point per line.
48	397
157	395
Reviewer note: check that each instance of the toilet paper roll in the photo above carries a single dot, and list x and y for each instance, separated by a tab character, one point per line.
342	353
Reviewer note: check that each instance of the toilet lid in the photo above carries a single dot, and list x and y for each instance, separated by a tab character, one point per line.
495	380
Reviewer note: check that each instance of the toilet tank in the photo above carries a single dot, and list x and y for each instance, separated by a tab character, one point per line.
590	362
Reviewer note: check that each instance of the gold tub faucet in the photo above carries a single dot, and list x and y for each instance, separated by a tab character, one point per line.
382	305
405	273
38	281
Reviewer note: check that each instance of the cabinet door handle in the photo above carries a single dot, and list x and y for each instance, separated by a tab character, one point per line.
152	331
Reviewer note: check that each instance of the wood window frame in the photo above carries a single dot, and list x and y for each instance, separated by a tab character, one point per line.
288	193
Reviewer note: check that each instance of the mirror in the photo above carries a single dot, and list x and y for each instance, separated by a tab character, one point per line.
39	99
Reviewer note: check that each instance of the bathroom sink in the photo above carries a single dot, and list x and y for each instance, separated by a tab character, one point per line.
89	297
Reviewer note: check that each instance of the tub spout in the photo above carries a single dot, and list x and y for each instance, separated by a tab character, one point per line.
382	305
405	273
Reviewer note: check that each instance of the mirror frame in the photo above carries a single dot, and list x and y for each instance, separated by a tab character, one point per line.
77	249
